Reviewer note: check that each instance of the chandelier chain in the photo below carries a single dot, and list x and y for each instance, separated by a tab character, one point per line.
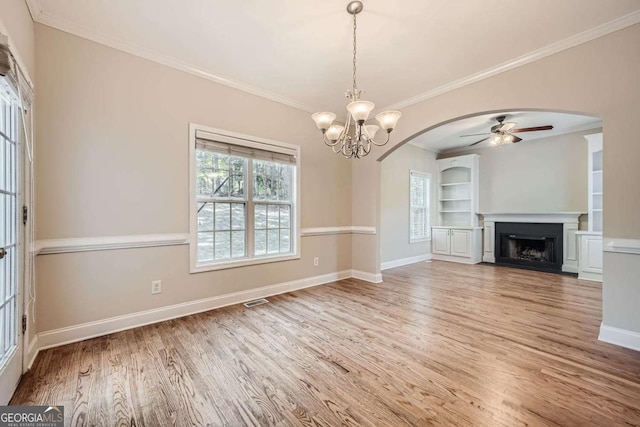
355	85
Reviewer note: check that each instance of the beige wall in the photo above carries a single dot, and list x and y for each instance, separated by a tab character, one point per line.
16	18
599	78
542	175
104	113
15	21
394	201
113	160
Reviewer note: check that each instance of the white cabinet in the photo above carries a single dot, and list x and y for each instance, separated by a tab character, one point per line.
458	237
458	244
461	243
441	243
590	256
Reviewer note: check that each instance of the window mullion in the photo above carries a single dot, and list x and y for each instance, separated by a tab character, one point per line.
250	211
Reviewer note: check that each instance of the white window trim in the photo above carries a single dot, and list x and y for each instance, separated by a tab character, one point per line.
428	176
246	140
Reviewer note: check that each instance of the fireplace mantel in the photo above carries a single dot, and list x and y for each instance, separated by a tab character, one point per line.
546	217
569	221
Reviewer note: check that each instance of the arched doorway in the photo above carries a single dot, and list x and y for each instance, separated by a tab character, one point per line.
545	172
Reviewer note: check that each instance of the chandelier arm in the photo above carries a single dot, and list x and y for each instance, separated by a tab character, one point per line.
380	144
346	149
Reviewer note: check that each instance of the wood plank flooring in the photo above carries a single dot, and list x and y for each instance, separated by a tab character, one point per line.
435	344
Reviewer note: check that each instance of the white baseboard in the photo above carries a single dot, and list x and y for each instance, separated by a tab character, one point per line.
621	337
32	352
587	275
404	261
367	277
458	259
569	268
58	337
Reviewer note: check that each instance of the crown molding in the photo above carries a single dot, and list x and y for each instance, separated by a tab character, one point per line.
575	40
41	17
15	52
34	9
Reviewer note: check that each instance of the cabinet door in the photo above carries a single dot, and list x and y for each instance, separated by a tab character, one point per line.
591	254
440	239
461	243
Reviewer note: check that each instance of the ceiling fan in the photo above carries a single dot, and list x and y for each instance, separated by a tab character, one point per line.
503	132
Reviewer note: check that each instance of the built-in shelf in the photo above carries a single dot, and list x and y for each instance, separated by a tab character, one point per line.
595	181
457	237
458	191
590	243
455	183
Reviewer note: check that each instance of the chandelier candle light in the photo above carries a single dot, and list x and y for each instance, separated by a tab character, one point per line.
355	142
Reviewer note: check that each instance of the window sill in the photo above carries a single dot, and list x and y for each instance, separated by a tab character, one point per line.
242	263
428	239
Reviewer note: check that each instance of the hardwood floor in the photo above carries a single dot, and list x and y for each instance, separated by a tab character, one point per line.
435	344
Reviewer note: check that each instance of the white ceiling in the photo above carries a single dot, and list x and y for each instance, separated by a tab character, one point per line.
299	51
448	137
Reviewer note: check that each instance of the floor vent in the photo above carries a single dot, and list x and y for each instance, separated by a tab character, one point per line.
253	303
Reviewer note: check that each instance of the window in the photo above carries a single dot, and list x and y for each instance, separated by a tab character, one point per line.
243	200
419	218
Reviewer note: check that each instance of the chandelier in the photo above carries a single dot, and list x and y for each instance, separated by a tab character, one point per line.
355	138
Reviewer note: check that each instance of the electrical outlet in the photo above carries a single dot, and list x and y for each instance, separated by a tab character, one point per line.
316	261
156	287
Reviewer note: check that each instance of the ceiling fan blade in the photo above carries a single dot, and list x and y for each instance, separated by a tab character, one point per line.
516	139
471	145
476	134
533	129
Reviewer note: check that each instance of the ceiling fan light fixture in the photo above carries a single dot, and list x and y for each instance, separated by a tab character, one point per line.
506	127
357	142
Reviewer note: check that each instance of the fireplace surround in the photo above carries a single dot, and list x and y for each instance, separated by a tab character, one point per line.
567	220
529	245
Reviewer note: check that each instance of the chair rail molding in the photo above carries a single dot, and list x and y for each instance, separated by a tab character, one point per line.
624	246
348	229
85	244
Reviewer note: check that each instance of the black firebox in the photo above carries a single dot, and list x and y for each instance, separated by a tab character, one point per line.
533	246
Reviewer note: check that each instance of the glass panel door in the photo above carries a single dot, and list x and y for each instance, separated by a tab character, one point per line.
10	304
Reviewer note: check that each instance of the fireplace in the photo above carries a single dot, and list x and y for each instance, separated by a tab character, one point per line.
533	246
